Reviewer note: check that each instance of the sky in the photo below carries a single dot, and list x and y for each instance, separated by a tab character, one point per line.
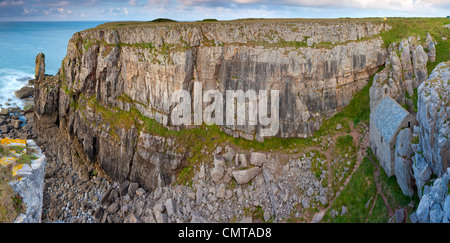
189	10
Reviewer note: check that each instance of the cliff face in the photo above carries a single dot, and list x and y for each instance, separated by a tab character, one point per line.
405	69
113	73
434	116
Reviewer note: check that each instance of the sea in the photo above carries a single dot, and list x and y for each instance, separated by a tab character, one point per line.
20	42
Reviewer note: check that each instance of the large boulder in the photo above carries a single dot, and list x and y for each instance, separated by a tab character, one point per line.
422	172
245	176
431	48
433	116
24	92
219	168
434	207
403	163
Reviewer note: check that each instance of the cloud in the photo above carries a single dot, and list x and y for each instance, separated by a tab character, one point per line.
220	9
11	3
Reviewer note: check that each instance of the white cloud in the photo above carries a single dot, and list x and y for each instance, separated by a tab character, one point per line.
59	4
11	3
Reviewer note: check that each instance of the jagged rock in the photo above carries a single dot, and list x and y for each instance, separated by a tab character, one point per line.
434	204
40	66
218	170
4	111
422	172
241	160
132	218
170	206
244	176
159	207
198	219
257	159
16	123
160	217
423	210
403	163
24	92
140	192
400	215
246	220
98	214
431	48
435	213
433	115
229	155
401	74
123	188
113	208
446	207
4	129
132	189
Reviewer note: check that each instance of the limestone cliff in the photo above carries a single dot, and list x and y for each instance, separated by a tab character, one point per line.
113	71
434	118
405	69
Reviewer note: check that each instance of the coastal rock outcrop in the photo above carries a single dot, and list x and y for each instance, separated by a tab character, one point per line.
147	64
99	110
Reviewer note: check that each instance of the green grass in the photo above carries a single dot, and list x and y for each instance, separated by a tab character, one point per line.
345	145
26	158
355	196
414	98
11	204
17	149
4	151
403	28
380	213
162	20
208	20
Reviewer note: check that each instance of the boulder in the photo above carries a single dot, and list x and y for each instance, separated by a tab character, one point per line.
257	159
170	206
433	115
218	170
431	48
244	176
423	210
4	129
241	160
436	213
446	207
4	111
123	188
403	163
132	189
24	92
229	155
422	172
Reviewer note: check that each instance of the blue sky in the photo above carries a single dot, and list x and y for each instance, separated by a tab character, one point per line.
110	10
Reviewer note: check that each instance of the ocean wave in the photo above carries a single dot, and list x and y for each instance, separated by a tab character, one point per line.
10	81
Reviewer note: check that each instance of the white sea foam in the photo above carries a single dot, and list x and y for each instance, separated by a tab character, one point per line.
10	81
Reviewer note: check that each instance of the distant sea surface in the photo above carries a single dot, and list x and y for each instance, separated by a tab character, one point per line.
20	42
